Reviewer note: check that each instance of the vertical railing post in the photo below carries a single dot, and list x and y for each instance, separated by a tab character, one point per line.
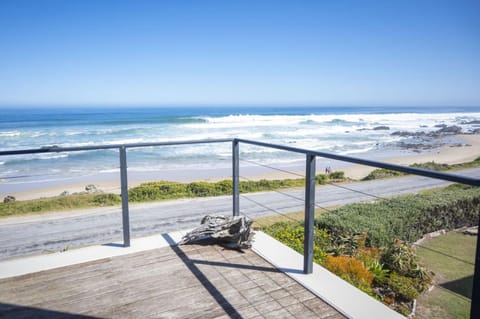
124	192
475	300
309	215
236	177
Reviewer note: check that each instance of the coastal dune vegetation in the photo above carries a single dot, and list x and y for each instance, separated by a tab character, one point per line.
380	173
155	191
58	203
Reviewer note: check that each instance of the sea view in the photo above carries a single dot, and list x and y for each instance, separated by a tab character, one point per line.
362	131
239	159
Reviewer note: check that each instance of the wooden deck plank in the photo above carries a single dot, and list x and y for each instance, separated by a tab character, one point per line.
98	284
171	282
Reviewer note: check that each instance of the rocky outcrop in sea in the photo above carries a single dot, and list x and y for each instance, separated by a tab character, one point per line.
442	136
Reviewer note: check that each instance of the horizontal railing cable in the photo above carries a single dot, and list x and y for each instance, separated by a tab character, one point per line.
289	195
269	208
444	254
355	191
452	293
405	169
303	176
274	168
57	149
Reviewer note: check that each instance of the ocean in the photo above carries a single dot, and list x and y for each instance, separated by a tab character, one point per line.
357	131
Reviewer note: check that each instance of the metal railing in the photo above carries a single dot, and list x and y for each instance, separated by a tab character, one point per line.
122	149
310	199
310	173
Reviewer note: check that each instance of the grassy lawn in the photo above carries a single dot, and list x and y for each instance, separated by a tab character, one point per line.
451	257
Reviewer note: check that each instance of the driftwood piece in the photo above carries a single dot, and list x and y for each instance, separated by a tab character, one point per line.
232	232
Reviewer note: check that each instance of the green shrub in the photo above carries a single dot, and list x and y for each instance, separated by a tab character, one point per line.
145	192
403	287
380	274
157	190
58	203
170	190
351	270
201	189
324	178
363	268
432	166
343	244
321	179
107	199
337	175
292	235
380	173
454	187
224	187
266	185
402	259
406	217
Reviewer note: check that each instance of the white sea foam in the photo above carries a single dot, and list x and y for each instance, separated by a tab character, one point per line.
337	133
49	156
74	132
10	134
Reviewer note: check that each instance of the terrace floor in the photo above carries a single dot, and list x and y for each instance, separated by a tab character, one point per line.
172	282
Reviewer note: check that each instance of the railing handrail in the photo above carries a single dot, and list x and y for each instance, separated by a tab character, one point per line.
400	168
404	169
57	149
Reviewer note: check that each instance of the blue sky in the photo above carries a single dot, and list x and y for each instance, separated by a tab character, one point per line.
325	53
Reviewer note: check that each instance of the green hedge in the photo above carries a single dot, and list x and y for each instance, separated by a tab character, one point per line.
406	217
151	191
58	203
380	173
292	235
171	190
157	190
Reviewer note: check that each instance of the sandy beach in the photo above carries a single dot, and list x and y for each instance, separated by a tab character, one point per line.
469	150
445	155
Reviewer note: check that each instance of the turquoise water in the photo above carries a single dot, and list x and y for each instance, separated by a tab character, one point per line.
347	130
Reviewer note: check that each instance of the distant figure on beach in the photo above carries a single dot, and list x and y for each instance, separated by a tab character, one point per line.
328	170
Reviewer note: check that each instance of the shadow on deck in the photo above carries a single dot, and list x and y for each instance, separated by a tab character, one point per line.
171	282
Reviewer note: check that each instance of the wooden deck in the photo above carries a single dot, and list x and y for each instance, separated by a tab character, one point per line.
172	282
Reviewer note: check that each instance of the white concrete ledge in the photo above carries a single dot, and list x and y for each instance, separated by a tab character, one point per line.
350	301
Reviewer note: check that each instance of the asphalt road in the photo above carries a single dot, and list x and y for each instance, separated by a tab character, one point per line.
44	233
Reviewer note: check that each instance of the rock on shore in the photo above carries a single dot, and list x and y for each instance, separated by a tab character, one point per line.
421	140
